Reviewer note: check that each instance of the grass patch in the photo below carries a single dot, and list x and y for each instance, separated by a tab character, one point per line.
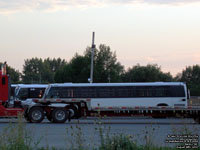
16	137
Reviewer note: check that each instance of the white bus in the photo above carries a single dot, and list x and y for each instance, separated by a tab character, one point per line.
150	94
65	101
12	91
29	91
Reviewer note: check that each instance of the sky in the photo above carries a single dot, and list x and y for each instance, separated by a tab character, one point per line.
163	32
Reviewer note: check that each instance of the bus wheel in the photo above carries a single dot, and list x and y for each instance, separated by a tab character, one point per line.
73	111
162	104
59	115
36	115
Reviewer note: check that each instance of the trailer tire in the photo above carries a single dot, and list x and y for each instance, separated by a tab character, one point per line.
73	111
36	115
49	117
59	115
27	119
197	120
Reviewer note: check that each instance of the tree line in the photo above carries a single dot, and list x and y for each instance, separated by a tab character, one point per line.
106	69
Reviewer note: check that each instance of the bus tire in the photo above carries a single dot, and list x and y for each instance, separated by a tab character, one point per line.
36	115
59	115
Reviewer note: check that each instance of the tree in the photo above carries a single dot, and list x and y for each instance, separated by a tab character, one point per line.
14	74
51	66
191	76
106	67
54	63
149	73
76	71
35	70
32	70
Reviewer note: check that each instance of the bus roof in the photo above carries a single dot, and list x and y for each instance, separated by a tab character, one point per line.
116	84
32	85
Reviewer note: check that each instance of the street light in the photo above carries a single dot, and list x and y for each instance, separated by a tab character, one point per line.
92	59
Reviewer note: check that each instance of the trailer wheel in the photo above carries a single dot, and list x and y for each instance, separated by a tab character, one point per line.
27	119
49	117
197	120
36	115
73	111
59	115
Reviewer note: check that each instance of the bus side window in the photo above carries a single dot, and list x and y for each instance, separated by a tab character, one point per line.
3	81
23	94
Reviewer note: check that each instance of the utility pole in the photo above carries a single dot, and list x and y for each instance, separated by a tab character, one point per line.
92	59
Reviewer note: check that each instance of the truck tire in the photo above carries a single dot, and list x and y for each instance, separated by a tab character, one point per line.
59	115
36	115
73	111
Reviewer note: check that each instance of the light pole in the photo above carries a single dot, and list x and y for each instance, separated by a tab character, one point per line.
92	59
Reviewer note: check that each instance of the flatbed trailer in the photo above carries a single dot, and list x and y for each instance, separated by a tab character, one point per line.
58	111
67	101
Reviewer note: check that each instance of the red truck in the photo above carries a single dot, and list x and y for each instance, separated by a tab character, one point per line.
5	109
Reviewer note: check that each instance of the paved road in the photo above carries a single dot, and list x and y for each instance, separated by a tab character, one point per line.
88	130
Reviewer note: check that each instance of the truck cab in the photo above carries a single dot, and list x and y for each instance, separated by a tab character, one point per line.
5	109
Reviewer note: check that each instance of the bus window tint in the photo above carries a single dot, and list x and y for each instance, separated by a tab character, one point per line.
140	91
66	92
92	92
77	92
36	92
177	91
162	91
23	94
116	91
84	92
53	93
150	91
104	92
159	92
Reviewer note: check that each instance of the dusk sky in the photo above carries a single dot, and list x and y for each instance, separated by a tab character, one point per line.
163	32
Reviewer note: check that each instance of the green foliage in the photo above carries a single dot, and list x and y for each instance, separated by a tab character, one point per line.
14	74
191	75
118	142
77	70
106	67
149	73
35	70
16	137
